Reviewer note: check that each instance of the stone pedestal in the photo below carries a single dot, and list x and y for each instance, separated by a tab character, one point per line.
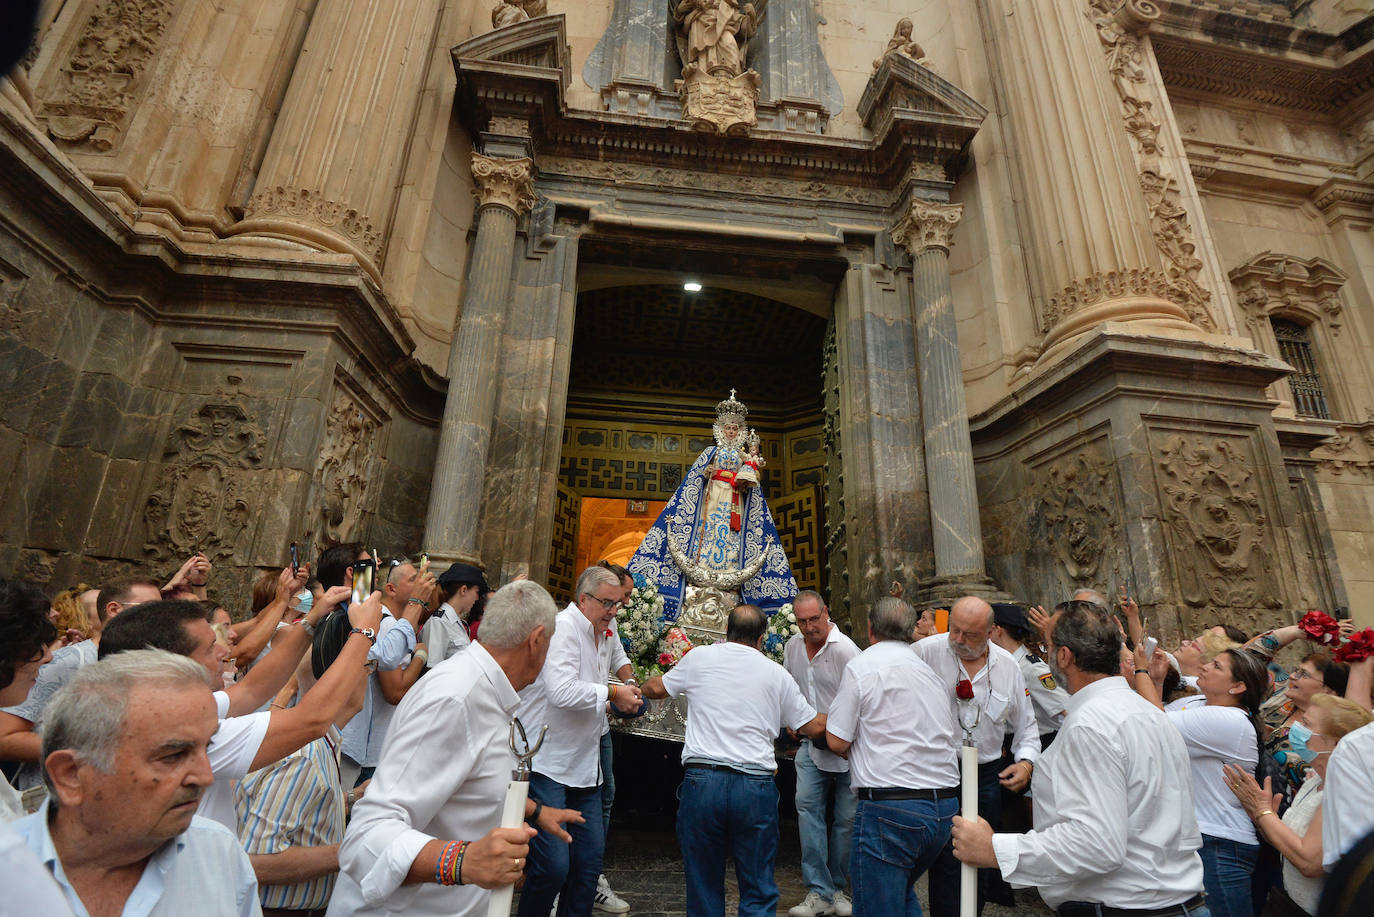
504	191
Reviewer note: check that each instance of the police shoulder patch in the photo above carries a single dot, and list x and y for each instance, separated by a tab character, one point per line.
1048	681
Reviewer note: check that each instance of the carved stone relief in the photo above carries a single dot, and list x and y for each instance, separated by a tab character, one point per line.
509	12
1219	532
1076	502
1119	24
313	207
719	93
1104	286
901	43
205	494
926	225
1271	283
503	182
97	84
347	464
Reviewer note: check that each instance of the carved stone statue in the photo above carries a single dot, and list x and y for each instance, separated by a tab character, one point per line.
901	43
718	93
509	12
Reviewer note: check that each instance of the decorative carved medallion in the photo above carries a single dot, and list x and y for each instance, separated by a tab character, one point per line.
202	500
346	466
505	183
313	207
720	104
1076	500
927	225
1220	532
98	83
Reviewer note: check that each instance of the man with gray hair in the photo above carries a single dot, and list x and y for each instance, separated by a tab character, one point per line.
431	817
570	697
890	718
124	754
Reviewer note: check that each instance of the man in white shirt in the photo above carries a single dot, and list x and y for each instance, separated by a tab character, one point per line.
125	761
1347	805
891	719
738	702
570	697
999	705
1114	822
816	658
618	664
441	784
446	632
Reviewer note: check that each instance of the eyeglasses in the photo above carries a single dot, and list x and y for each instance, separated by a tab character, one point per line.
1299	674
606	604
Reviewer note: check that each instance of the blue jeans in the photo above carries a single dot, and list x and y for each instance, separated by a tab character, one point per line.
1227	867
824	847
944	872
896	840
607	783
726	812
556	868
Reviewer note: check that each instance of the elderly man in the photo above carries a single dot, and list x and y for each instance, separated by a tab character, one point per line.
1114	823
606	899
890	718
431	816
816	658
738	702
570	697
992	704
124	755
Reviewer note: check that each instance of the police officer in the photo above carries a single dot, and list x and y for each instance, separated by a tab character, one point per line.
1049	699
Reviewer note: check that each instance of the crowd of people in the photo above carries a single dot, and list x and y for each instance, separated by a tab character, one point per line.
346	748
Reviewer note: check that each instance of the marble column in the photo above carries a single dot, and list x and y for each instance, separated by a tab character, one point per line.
925	232
504	190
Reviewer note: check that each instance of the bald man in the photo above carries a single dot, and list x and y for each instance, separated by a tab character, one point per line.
999	705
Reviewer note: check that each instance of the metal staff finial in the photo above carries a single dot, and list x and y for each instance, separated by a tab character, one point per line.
524	758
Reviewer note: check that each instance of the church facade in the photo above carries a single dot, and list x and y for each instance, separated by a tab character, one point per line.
1022	296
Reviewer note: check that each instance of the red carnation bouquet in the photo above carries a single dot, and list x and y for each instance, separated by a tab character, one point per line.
1358	648
1320	627
963	689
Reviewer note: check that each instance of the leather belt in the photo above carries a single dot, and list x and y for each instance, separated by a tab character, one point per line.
1088	909
899	792
719	767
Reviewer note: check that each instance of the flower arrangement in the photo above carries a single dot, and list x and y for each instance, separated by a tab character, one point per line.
782	624
1319	627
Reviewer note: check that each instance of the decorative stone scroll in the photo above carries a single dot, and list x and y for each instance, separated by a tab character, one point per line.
507	183
1076	501
927	225
203	499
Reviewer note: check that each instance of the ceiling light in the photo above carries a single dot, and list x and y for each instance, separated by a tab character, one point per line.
692	286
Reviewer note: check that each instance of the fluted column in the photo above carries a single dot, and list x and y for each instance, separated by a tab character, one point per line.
1087	228
333	164
925	232
504	190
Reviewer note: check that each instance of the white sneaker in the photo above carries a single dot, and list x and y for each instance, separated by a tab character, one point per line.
813	905
608	901
841	905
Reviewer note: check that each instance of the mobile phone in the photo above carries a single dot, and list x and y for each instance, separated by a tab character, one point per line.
1150	645
364	572
424	561
295	560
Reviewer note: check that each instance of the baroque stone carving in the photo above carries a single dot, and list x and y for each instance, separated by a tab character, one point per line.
509	12
312	206
97	84
901	43
505	183
1219	529
202	499
1118	24
346	466
718	94
657	177
1076	501
1104	286
927	225
1274	283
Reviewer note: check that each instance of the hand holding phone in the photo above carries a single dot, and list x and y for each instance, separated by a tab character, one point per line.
364	574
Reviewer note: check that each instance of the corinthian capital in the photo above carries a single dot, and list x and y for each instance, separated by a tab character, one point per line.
927	225
505	183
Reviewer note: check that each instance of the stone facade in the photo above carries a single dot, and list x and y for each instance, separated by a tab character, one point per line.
312	271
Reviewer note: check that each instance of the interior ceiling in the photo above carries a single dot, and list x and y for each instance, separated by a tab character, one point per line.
664	340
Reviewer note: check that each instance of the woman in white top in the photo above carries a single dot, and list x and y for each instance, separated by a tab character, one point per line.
1298	835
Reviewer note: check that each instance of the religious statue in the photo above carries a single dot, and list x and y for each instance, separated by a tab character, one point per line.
719	93
509	12
901	43
715	543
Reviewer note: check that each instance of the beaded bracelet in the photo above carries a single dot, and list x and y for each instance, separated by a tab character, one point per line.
458	864
446	857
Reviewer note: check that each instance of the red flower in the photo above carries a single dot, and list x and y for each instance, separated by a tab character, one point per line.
665	658
964	689
1319	627
1359	648
608	631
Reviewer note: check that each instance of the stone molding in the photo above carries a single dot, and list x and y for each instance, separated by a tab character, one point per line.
1273	283
507	183
1102	287
311	206
927	225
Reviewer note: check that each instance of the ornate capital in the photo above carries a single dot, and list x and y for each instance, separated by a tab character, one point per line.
927	225
505	183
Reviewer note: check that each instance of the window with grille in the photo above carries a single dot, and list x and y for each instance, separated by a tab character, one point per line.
1295	348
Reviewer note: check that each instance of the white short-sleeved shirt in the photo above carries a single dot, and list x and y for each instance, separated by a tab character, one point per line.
818	677
1217	736
892	707
1347	804
738	701
232	749
444	634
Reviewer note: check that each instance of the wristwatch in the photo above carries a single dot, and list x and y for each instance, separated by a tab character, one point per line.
367	632
308	625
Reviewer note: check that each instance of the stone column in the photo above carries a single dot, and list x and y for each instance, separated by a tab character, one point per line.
1085	223
925	232
333	165
504	191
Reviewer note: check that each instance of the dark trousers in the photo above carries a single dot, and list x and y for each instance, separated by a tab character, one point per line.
944	873
557	869
720	814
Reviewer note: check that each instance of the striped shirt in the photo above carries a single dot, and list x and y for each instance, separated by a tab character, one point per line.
295	802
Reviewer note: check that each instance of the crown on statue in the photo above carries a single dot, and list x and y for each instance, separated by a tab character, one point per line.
731	411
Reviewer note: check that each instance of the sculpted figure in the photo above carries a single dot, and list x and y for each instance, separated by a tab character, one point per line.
509	12
713	35
901	43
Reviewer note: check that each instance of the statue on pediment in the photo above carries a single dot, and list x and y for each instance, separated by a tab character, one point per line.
509	12
713	35
901	43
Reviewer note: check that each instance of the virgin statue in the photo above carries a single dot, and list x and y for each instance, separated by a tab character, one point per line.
715	544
